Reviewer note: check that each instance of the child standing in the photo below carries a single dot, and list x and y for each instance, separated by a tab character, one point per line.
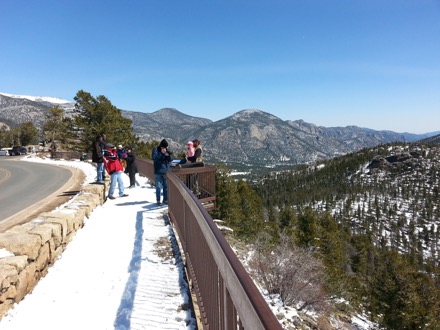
189	152
190	149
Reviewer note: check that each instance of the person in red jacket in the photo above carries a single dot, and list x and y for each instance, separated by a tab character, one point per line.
114	168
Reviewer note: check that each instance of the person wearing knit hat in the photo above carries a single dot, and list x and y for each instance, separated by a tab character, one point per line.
197	157
122	155
190	149
162	159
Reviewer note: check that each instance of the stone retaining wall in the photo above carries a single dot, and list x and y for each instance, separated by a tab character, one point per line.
37	244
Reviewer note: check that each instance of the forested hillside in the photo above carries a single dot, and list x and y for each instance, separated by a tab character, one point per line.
386	201
390	193
371	218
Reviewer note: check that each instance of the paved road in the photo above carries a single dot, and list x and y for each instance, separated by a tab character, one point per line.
24	185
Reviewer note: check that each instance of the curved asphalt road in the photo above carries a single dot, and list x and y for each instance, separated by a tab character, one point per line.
23	184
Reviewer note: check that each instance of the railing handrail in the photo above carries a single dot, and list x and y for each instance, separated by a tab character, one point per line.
249	310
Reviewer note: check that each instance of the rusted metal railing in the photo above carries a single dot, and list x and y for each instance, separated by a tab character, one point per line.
145	168
226	295
200	180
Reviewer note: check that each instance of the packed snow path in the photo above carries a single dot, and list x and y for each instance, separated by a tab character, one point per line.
121	271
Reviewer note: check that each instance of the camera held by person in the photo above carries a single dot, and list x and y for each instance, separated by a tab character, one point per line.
166	151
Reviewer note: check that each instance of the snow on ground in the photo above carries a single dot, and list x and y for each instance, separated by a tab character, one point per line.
111	275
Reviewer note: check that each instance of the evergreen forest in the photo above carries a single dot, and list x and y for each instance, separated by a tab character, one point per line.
371	217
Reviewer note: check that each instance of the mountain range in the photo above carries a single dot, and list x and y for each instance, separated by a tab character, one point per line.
247	138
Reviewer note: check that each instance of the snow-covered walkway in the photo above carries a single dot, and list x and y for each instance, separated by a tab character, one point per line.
116	273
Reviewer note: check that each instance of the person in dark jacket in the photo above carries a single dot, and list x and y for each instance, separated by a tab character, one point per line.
122	155
162	159
103	146
131	168
98	158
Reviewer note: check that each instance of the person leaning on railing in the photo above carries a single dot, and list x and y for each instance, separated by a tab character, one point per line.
193	179
197	157
189	152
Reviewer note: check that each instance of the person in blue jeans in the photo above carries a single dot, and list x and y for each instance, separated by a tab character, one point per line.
115	169
162	159
98	158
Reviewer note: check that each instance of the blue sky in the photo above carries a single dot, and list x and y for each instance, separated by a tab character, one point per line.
372	64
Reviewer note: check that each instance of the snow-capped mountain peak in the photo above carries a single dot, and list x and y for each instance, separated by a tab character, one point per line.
49	99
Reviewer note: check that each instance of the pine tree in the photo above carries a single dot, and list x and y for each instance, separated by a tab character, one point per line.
15	136
28	133
144	149
5	136
56	128
287	218
333	248
251	211
307	226
98	115
227	199
271	225
402	297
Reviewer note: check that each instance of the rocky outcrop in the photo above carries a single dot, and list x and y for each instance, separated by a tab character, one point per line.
400	161
36	245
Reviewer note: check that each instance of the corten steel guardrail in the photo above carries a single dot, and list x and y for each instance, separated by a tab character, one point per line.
226	295
145	168
200	179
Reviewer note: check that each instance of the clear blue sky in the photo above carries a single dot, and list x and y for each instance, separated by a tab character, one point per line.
372	63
